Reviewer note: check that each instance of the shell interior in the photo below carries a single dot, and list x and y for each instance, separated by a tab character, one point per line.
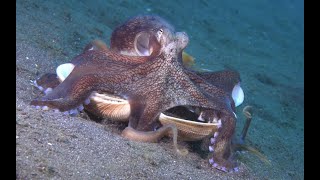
189	128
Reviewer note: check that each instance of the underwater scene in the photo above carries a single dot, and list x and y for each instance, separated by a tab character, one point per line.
145	89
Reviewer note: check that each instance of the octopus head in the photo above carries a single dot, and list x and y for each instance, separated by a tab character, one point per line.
142	36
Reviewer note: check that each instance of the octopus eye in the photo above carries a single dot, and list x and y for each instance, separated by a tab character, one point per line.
142	44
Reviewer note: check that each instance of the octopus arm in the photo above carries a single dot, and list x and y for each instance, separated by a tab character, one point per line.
70	94
225	80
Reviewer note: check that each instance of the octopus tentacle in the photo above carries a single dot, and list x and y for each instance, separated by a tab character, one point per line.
47	82
225	79
69	95
76	88
154	136
216	93
221	145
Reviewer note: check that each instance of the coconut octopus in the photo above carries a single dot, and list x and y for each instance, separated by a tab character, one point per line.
142	79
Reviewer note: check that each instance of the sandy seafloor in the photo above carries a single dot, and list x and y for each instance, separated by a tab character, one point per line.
263	40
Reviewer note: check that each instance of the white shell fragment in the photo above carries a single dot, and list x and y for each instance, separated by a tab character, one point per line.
64	70
237	95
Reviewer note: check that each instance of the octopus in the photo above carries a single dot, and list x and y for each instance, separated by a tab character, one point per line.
144	75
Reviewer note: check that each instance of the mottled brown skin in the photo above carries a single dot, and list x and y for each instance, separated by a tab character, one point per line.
151	84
